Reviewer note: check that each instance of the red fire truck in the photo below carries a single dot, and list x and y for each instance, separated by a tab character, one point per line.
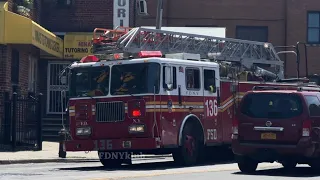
162	92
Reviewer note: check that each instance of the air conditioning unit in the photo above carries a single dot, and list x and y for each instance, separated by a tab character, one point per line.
142	8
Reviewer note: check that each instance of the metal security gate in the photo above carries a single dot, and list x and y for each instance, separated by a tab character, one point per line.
20	122
55	88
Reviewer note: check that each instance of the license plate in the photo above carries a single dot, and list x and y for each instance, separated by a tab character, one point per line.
268	136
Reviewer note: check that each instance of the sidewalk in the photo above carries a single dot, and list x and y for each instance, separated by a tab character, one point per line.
49	153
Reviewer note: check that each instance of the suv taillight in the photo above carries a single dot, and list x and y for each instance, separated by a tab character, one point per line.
306	128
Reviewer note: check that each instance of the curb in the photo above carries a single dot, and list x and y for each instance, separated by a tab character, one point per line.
66	160
28	161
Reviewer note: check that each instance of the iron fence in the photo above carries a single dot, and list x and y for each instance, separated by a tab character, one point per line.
20	121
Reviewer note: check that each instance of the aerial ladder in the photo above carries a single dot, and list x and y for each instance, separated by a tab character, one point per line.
249	54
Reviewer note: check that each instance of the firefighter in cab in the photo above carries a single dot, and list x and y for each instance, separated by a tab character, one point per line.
101	80
126	79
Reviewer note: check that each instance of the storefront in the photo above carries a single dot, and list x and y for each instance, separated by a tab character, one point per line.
76	46
23	41
16	29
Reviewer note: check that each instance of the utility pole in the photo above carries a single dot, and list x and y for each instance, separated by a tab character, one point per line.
159	14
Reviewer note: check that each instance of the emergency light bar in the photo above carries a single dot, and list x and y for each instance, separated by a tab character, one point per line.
119	56
145	54
89	58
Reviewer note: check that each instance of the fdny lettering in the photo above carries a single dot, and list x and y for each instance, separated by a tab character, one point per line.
192	93
102	144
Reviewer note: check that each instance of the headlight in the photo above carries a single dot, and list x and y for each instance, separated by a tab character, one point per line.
83	131
137	128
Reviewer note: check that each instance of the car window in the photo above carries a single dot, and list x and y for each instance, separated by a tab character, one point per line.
271	105
209	79
174	78
313	105
193	79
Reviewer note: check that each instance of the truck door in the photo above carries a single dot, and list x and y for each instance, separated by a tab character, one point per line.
212	124
169	102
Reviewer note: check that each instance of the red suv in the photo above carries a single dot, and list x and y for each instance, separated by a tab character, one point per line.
274	125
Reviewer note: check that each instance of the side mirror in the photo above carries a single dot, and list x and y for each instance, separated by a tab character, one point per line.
218	97
168	77
142	7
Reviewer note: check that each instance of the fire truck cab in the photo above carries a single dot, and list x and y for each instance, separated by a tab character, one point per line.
145	105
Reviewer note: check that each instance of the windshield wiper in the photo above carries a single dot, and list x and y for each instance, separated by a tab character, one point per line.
85	95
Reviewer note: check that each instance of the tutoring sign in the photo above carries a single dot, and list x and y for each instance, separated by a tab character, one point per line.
77	45
121	13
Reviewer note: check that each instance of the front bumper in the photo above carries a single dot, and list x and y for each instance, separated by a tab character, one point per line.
112	144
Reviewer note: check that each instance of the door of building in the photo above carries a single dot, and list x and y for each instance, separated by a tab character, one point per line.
55	104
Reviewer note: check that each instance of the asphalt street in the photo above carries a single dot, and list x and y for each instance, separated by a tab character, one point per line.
147	169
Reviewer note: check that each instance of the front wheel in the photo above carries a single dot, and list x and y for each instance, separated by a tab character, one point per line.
247	165
189	152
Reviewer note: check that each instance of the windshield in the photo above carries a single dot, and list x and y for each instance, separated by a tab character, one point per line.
90	81
272	105
137	78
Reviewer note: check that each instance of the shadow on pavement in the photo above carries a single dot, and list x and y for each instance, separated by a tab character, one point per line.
142	166
281	172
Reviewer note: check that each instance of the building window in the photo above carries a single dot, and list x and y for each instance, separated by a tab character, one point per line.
15	59
252	33
32	85
313	27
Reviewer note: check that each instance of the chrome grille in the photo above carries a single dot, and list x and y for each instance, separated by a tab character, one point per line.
110	111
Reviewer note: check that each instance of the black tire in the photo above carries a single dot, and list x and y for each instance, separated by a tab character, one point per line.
247	165
289	165
192	144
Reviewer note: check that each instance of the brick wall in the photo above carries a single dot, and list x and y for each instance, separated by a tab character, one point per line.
297	31
37	11
5	69
286	21
227	13
83	16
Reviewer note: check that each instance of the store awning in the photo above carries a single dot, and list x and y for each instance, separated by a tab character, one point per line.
17	29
